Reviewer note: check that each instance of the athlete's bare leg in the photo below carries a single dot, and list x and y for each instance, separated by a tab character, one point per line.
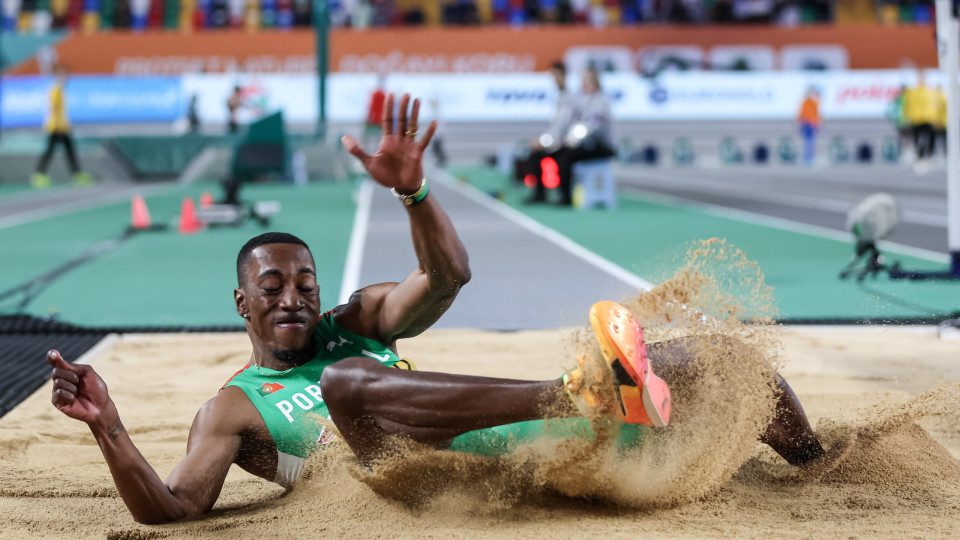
369	402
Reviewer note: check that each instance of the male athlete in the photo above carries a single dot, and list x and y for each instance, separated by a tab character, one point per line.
338	365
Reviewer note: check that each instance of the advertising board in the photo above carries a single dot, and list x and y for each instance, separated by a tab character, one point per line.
459	97
24	101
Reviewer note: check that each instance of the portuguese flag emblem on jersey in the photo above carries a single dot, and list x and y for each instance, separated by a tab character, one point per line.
268	388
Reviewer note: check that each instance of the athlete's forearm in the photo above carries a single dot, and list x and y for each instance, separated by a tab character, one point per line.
442	256
146	496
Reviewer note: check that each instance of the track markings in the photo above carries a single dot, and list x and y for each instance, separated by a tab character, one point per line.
792	199
358	239
778	223
544	232
72	206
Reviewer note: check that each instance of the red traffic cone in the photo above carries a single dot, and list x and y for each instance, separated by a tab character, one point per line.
206	200
139	215
189	223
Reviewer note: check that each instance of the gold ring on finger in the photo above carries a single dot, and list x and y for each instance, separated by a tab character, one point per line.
410	133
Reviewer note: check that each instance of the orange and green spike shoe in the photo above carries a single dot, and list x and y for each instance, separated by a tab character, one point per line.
638	396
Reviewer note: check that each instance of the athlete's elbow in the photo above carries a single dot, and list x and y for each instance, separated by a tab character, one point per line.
451	281
461	275
446	286
161	514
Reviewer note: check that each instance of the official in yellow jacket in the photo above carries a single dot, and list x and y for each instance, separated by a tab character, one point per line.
920	108
57	126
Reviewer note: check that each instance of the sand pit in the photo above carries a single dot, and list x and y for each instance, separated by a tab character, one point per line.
895	471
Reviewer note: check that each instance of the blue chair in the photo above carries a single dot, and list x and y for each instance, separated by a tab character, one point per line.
285	18
595	179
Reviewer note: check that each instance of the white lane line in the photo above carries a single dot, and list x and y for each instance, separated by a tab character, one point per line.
793	200
70	207
543	231
198	166
358	239
780	223
94	351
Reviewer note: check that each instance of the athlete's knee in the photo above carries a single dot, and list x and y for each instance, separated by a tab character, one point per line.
342	383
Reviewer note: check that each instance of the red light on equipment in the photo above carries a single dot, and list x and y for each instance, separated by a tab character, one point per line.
551	173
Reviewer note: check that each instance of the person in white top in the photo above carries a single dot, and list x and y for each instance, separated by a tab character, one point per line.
589	135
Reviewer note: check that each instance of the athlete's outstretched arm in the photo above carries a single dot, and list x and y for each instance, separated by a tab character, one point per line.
392	311
194	484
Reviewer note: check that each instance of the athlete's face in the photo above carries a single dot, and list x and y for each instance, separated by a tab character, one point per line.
279	300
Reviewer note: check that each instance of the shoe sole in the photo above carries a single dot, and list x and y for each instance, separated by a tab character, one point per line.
644	397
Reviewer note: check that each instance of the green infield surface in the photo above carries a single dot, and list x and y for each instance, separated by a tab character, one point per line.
645	235
164	278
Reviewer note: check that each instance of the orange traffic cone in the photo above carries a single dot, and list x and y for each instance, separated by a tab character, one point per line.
139	215
189	223
206	200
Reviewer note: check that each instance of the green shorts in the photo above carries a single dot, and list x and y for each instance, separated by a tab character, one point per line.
500	440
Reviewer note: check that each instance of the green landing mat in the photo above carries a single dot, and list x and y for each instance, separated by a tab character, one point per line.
162	278
650	238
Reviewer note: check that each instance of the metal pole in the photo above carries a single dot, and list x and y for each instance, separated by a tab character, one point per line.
948	54
321	26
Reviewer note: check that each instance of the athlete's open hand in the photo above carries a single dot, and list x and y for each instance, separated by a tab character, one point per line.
398	162
78	391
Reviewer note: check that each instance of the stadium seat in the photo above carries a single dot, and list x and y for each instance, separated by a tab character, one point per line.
650	155
838	150
787	150
921	14
587	174
683	152
761	153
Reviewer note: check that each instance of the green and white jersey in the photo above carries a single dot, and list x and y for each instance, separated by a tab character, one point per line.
290	402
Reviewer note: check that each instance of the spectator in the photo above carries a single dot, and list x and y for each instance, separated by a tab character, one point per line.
819	11
897	116
940	125
193	115
234	102
722	12
437	142
382	12
920	107
752	11
590	135
565	12
371	129
809	120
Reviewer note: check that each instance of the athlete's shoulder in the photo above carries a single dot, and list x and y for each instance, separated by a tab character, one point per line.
361	313
230	412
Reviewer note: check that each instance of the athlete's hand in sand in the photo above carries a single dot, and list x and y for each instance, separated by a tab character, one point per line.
78	391
398	162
